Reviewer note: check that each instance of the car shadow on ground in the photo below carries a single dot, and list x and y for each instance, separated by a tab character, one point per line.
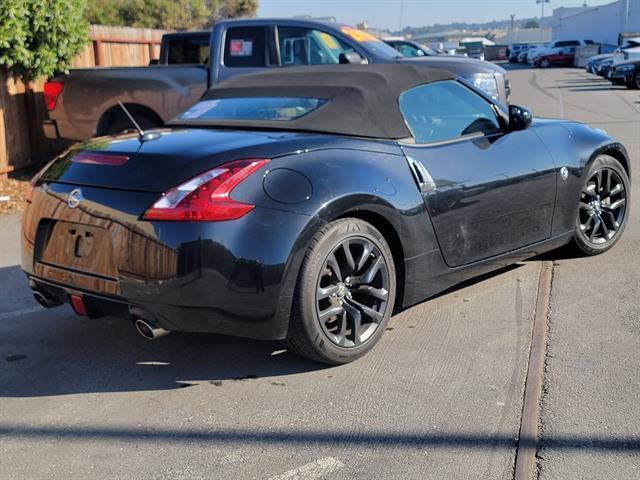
55	352
596	88
59	354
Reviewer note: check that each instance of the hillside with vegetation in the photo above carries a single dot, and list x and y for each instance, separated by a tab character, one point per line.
493	25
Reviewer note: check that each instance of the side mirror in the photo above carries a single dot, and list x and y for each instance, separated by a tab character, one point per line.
349	57
519	118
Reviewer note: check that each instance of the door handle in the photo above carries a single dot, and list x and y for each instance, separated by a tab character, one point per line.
422	176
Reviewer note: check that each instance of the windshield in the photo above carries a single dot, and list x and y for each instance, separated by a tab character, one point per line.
252	108
371	43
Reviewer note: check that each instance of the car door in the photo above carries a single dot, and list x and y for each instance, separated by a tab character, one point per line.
487	191
567	56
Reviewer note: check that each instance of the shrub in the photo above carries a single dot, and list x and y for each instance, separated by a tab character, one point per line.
41	37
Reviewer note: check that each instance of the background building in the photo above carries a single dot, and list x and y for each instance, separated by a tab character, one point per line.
526	35
602	24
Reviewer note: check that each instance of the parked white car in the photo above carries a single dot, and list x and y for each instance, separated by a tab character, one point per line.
555	46
525	55
630	50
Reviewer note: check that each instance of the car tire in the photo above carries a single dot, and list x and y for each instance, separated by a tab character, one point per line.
348	273
603	207
635	82
544	63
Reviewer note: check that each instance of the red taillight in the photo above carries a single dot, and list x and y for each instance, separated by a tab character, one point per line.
206	198
52	91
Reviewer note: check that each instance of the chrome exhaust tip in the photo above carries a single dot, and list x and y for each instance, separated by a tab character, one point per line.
149	330
41	299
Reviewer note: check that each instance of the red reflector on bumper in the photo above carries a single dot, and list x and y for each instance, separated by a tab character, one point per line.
77	303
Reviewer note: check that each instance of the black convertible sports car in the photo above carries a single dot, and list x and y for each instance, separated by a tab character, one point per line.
308	204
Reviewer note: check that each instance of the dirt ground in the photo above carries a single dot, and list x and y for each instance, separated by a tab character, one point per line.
15	188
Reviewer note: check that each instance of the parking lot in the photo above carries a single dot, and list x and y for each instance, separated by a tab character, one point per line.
440	397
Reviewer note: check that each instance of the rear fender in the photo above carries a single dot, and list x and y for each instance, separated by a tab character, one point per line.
360	184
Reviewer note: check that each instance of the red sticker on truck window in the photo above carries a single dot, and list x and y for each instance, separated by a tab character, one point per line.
240	48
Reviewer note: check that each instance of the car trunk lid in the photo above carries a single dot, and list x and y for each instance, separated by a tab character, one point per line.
156	165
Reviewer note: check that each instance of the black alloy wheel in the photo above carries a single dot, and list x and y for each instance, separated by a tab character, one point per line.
603	207
353	292
544	63
345	293
635	83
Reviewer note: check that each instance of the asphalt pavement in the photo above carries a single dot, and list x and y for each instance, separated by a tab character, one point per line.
591	404
439	397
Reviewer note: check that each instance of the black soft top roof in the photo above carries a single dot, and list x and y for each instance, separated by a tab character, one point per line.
362	100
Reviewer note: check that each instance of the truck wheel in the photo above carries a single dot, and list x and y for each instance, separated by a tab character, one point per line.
345	293
122	124
544	63
635	83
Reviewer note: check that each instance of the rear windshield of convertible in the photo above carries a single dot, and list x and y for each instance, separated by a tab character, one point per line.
252	108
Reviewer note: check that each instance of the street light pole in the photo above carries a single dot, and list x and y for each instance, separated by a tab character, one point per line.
542	2
626	15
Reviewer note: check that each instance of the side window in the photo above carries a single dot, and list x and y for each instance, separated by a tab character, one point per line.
245	47
188	51
409	50
446	110
304	46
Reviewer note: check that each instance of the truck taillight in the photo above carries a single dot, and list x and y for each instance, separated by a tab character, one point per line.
52	91
206	198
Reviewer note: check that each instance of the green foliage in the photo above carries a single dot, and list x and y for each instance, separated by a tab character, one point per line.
532	24
167	14
40	37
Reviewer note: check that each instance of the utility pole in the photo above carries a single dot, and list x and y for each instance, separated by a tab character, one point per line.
626	15
542	2
513	21
401	13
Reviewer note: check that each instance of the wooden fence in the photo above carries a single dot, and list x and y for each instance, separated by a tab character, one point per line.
22	143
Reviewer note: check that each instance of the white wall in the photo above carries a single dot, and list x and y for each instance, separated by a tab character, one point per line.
525	35
601	24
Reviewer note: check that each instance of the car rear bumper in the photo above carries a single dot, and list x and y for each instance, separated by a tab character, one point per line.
59	129
179	318
50	129
235	278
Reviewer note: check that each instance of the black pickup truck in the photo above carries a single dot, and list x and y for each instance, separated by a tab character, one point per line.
84	103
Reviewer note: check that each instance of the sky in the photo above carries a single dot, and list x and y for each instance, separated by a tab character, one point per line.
390	14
